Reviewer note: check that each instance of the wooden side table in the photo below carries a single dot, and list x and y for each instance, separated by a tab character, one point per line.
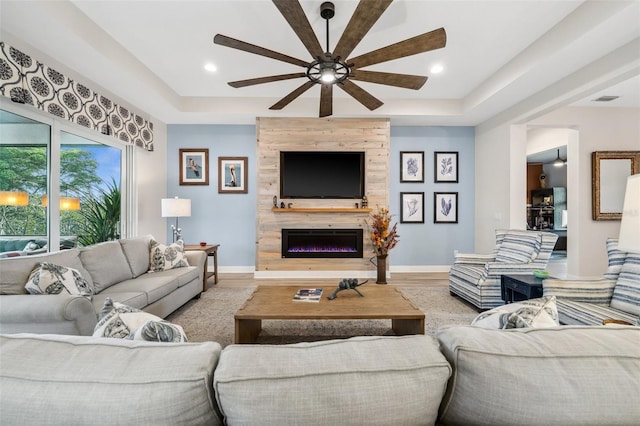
520	287
211	250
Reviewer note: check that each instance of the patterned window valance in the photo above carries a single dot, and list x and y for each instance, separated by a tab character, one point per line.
31	82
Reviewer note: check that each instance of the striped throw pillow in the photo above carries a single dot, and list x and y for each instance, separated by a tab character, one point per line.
521	247
616	259
626	293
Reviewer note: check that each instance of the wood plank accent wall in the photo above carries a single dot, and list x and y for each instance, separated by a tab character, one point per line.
317	134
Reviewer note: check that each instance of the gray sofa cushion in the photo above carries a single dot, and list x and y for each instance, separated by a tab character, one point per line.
106	263
15	271
83	380
153	285
362	380
135	299
561	375
136	250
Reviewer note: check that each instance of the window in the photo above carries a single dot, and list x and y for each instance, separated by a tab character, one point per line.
59	184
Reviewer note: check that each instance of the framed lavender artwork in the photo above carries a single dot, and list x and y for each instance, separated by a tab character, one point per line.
411	166
445	207
446	167
194	166
412	207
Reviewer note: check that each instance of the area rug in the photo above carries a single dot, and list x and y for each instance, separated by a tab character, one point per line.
210	318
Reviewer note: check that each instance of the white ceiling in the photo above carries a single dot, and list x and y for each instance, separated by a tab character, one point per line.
502	58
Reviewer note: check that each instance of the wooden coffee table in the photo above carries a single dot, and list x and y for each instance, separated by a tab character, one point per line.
275	303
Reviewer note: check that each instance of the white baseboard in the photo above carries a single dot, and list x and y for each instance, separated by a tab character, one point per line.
421	268
330	274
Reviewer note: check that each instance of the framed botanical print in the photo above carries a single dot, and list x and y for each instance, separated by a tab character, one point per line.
411	166
445	207
232	175
446	167
194	166
412	207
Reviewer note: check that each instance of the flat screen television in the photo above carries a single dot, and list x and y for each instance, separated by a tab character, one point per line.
321	174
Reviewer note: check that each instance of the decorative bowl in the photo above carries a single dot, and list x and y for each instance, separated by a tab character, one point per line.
202	244
540	274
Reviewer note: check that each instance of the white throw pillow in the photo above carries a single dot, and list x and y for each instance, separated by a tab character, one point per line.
31	246
48	278
124	322
163	257
535	313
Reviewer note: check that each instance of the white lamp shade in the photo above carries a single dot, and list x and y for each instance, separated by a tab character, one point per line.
176	207
629	239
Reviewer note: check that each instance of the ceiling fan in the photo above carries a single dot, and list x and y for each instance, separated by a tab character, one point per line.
337	68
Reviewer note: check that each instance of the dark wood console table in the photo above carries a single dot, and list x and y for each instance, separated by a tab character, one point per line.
211	250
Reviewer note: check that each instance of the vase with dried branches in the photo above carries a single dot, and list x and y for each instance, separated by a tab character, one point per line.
383	240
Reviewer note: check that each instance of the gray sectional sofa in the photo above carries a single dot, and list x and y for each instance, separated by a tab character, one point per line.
115	269
562	375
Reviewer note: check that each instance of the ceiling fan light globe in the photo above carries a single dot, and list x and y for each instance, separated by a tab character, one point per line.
327	76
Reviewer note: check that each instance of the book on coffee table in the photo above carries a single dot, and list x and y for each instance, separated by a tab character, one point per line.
308	295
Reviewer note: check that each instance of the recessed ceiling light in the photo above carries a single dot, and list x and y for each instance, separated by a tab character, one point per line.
210	67
437	69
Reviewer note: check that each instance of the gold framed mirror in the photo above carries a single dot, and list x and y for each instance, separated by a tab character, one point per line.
609	172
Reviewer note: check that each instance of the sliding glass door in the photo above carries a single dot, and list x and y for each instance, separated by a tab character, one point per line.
89	192
24	155
60	187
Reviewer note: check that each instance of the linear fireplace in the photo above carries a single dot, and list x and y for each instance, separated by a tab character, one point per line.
319	243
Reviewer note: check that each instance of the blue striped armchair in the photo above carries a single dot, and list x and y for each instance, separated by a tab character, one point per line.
476	277
616	296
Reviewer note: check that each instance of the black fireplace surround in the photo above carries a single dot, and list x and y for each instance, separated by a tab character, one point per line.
322	243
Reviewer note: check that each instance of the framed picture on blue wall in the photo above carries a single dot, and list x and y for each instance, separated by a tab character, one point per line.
194	166
232	175
411	166
445	207
412	207
446	167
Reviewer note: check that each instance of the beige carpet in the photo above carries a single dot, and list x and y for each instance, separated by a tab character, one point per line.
210	318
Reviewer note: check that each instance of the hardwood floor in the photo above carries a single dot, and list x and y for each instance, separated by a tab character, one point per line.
439	279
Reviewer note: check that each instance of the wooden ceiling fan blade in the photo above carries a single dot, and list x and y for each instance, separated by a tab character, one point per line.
223	40
326	100
361	95
293	13
261	80
432	40
291	96
366	14
406	81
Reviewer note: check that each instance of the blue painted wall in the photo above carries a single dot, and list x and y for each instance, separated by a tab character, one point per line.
433	243
226	219
230	219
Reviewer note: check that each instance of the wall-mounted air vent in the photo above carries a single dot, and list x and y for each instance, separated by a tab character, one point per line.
605	98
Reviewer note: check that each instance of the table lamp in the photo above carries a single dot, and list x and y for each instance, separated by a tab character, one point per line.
629	239
176	207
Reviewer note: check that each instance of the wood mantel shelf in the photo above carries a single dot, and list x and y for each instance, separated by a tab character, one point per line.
320	210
